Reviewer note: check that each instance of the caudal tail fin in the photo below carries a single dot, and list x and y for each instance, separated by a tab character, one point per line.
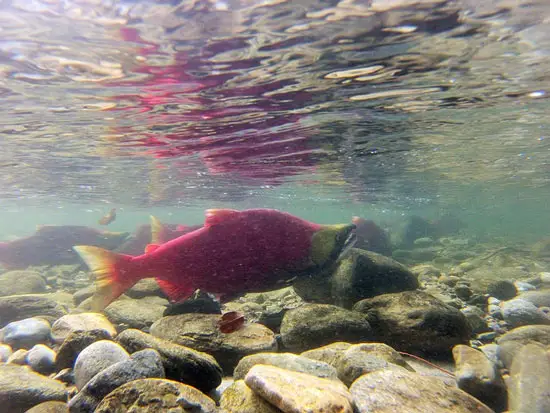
112	272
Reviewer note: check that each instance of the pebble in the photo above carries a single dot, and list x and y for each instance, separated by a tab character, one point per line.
156	395
239	398
18	357
312	325
390	391
511	342
478	376
544	277
26	333
181	363
50	407
287	361
21	389
96	358
522	286
294	392
503	290
530	380
80	322
75	342
518	312
142	364
41	359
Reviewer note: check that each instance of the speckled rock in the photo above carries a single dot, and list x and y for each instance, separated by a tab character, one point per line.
180	363
21	389
330	353
41	359
75	342
136	313
50	407
511	342
83	294
201	332
503	290
156	395
294	392
390	391
286	361
312	325
362	274
5	352
414	321
141	365
519	312
478	376
96	358
238	398
21	282
19	307
475	317
81	322
26	333
529	382
365	358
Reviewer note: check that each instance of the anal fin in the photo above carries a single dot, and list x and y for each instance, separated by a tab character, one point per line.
175	292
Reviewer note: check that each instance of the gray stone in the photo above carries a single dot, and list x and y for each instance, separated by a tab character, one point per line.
503	290
145	288
156	395
287	361
41	359
390	391
520	312
21	389
19	307
75	342
314	325
141	365
18	357
475	317
201	332
180	363
80	322
96	358
478	376
414	321
26	333
511	342
21	282
529	382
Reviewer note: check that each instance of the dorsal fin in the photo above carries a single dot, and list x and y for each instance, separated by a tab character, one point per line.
157	231
215	216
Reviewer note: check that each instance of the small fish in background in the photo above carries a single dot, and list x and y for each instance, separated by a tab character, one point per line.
108	218
231	322
52	245
371	237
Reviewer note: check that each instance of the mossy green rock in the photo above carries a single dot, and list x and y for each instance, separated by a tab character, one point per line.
312	325
21	389
362	274
180	363
415	321
156	395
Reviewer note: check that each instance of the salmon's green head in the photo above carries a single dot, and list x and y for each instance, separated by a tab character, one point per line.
331	243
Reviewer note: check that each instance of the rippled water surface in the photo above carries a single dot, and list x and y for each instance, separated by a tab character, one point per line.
382	106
